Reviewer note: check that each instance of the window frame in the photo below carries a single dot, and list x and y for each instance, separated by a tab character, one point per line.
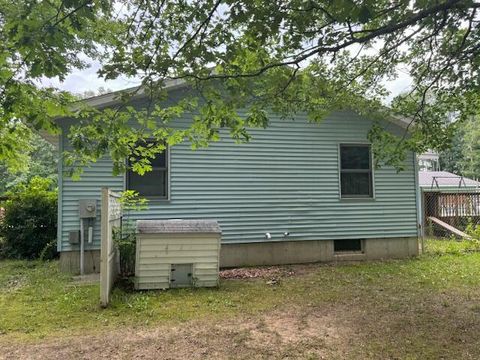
371	171
167	177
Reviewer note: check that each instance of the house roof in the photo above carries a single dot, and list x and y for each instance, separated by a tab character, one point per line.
114	97
429	155
445	180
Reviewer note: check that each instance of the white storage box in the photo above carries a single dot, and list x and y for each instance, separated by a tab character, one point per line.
177	253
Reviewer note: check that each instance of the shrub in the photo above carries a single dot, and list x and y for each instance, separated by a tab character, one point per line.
125	237
29	226
473	230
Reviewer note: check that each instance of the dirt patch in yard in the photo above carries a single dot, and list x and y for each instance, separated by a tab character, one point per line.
276	335
437	327
268	272
13	283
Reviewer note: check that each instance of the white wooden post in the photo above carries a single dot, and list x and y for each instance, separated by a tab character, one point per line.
110	216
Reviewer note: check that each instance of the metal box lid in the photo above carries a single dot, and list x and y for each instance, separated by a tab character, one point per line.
177	226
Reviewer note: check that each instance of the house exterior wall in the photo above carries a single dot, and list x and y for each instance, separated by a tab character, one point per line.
285	180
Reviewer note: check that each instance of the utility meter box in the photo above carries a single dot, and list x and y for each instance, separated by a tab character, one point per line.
74	237
87	208
177	253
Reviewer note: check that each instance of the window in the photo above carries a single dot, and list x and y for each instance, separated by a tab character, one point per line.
348	245
356	171
153	184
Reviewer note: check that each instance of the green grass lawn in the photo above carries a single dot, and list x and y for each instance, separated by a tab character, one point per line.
431	302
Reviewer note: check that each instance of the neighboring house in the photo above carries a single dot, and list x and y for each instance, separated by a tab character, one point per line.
451	198
429	161
298	192
434	181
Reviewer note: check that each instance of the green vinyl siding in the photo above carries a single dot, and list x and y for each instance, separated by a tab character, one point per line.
285	180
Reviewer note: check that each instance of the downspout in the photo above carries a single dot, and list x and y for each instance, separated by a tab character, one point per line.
60	194
82	247
418	204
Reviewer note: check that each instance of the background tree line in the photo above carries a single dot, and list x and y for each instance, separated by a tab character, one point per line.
463	157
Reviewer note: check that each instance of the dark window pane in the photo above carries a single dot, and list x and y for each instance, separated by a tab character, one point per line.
347	245
152	183
356	184
160	160
355	157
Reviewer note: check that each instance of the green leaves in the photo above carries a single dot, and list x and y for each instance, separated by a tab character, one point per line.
30	221
313	57
364	14
33	157
14	147
131	201
42	39
242	59
463	157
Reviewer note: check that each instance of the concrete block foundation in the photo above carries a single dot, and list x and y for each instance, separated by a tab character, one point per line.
70	261
276	253
308	251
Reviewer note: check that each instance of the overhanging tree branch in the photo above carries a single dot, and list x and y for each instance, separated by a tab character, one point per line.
387	29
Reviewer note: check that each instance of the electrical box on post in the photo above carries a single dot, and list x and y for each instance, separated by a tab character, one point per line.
87	208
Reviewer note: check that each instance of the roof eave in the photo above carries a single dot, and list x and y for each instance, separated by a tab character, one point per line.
114	97
110	99
403	122
49	137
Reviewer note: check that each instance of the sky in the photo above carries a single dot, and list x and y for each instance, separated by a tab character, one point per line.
87	79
